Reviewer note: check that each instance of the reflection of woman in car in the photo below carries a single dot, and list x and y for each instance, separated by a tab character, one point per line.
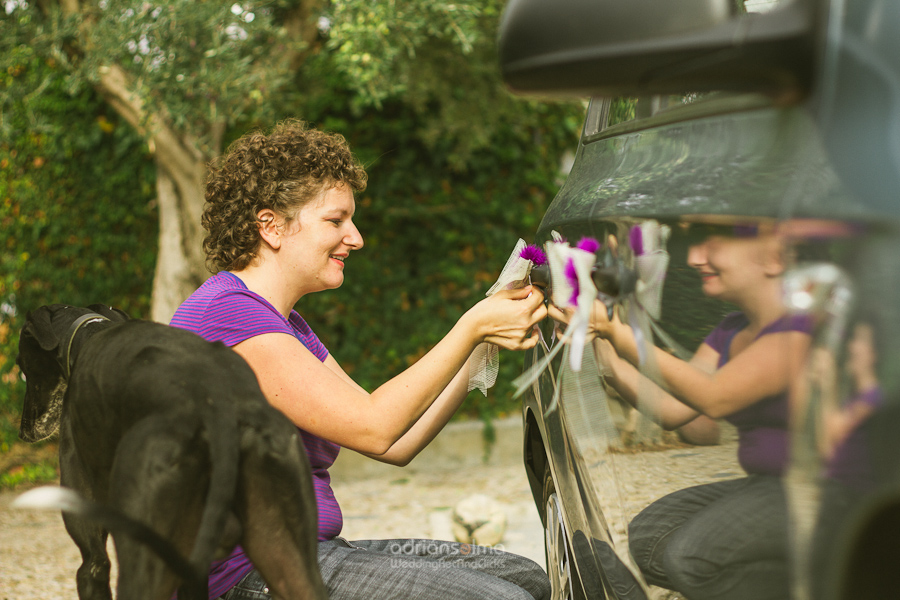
842	425
726	539
846	444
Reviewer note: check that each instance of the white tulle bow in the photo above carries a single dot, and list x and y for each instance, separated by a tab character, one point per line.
572	287
570	272
484	364
651	260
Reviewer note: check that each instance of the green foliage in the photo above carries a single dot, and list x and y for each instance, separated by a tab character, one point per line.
201	65
76	205
438	58
436	238
382	46
9	427
458	168
622	110
41	472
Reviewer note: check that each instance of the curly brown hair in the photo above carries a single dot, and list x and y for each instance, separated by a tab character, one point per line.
281	171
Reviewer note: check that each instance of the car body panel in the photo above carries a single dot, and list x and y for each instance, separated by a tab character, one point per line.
762	163
610	47
817	154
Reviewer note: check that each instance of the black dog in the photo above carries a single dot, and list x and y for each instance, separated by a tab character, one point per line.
173	434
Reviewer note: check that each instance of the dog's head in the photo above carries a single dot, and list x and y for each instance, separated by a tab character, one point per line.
39	360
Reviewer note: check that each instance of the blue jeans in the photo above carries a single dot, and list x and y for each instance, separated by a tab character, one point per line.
725	540
426	569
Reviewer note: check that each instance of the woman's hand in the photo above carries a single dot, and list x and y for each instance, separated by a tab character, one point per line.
507	318
607	359
600	325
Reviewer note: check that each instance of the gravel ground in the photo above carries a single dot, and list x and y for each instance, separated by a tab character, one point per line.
38	560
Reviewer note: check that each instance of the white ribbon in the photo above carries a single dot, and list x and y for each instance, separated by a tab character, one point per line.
484	364
584	292
559	255
651	266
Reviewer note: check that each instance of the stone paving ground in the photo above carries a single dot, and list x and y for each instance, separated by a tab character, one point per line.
38	559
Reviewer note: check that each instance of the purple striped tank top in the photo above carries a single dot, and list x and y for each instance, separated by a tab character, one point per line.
224	310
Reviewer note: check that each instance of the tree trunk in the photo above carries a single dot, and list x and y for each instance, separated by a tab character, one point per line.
180	165
180	173
180	262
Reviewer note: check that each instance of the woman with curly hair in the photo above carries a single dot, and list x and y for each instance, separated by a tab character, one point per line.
279	216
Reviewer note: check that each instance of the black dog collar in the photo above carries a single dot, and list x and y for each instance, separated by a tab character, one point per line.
65	347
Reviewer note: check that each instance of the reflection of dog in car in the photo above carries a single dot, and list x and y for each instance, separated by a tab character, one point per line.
170	441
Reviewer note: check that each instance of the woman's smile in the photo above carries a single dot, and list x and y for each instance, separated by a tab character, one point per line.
733	268
323	238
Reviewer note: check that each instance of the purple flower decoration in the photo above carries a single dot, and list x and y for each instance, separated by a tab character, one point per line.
636	240
572	278
588	244
534	254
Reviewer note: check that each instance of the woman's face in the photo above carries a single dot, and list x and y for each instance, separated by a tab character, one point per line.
320	238
730	267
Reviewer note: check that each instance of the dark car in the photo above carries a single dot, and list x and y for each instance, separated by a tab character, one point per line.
709	118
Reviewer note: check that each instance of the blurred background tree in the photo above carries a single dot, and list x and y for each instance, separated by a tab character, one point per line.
181	73
110	110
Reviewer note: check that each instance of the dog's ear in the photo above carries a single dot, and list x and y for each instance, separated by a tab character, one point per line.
113	314
38	325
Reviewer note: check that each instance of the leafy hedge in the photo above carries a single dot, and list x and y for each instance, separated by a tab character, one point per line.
77	208
436	239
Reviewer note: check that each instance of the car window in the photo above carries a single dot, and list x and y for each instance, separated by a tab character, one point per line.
761	6
610	115
623	110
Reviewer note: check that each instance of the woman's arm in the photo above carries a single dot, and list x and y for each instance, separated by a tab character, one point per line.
655	402
428	425
330	405
627	380
764	368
